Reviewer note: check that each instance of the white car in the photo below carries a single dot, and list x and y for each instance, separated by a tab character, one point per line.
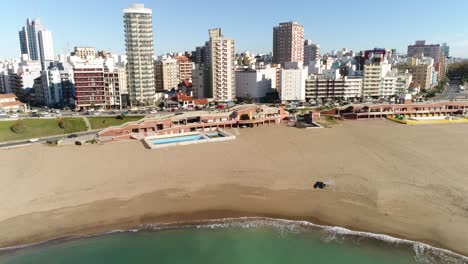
14	116
33	140
75	114
153	112
96	114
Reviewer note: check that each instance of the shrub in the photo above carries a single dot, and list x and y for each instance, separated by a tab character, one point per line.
18	127
64	124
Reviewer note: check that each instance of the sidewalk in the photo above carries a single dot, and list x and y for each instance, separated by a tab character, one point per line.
44	139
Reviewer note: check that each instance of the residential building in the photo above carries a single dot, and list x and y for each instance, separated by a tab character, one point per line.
185	68
318	87
50	93
421	70
10	103
85	53
89	85
222	67
311	52
200	78
158	76
288	43
167	74
21	81
375	70
254	84
115	83
138	22
292	82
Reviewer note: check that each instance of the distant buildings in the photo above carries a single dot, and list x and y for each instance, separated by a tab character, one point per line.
445	50
36	42
311	52
421	70
84	52
288	43
138	22
434	51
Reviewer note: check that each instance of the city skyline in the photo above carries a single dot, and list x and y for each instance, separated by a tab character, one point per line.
174	33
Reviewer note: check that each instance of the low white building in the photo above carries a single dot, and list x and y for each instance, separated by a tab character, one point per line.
255	84
292	81
321	87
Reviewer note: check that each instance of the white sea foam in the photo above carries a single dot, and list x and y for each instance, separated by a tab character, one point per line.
424	253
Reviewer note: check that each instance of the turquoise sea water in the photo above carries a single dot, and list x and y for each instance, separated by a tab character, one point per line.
239	242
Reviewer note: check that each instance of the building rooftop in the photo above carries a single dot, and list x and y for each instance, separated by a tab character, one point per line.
138	8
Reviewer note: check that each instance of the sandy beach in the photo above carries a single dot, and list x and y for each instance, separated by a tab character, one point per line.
406	181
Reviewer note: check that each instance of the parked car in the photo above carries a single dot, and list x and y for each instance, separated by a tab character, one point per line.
73	136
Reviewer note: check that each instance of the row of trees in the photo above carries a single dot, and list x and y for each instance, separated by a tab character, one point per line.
459	70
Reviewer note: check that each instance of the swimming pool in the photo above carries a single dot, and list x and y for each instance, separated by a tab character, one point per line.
172	140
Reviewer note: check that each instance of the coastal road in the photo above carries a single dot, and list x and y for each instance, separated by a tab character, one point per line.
453	92
13	144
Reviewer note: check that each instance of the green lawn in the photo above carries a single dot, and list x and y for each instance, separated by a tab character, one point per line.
36	128
104	122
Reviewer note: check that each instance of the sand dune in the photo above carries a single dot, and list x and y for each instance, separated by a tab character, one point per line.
409	182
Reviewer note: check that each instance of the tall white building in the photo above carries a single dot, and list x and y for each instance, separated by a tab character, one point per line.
46	47
36	42
138	22
222	66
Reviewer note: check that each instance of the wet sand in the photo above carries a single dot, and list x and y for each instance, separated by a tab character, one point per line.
408	182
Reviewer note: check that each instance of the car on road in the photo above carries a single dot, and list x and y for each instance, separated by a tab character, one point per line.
14	116
76	114
153	112
33	140
73	136
96	114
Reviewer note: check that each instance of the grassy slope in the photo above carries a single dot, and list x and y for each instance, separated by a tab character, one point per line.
104	122
40	128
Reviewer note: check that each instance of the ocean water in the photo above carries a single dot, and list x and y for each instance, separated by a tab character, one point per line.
240	241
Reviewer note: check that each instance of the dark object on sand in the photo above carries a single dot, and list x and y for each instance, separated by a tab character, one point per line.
320	185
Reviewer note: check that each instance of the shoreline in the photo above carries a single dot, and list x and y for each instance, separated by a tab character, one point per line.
138	223
238	222
385	179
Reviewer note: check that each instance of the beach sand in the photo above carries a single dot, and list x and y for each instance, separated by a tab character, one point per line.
406	181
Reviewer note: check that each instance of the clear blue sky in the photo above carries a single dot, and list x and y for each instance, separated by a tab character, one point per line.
181	25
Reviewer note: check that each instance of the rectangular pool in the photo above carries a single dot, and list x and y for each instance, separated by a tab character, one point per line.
171	140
